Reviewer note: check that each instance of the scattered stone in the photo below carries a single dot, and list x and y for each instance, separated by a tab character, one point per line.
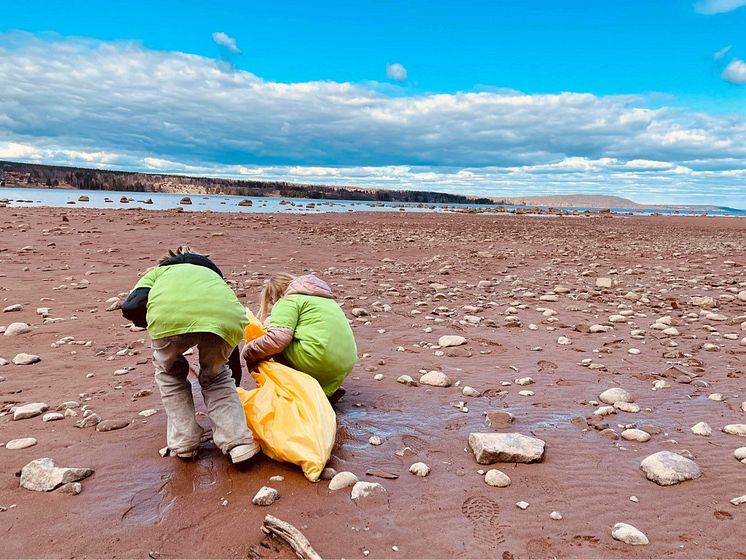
615	394
359	312
72	488
740	453
24	359
52	417
20	443
522	505
627	407
265	497
564	341
666	468
366	489
497	478
89	421
451	340
406	380
419	469
735	429
111	425
148	412
15	329
524	381
557	516
328	473
29	410
435	379
628	534
42	475
375	440
491	448
604	282
470	392
13	308
635	435
701	429
342	480
738	501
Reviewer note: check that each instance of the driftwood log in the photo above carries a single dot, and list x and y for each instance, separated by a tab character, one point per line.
297	540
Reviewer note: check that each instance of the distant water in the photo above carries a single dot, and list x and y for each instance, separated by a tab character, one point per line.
58	198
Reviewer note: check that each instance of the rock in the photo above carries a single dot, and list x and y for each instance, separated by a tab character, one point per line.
524	381
89	421
603	282
147	413
738	501
13	308
666	468
451	340
600	328
42	475
435	379
111	425
615	394
185	200
701	429
342	480
328	473
366	489
265	497
52	417
706	302
470	392
617	319
670	331
497	478
20	443
498	418
718	397
557	516
406	380
635	435
419	469
740	453
14	329
564	341
735	429
628	534
627	407
72	488
491	448
375	440
24	359
29	410
522	505
604	411
359	312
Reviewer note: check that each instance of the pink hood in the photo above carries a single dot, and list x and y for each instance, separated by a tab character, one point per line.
309	285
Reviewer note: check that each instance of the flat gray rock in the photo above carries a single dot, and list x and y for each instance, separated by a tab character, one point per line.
435	379
15	329
29	410
735	429
42	475
491	448
20	443
111	425
24	359
451	340
265	497
615	394
666	468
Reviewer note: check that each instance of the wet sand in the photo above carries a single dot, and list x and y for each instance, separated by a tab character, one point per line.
139	504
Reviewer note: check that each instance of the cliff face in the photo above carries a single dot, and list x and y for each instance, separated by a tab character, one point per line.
577	201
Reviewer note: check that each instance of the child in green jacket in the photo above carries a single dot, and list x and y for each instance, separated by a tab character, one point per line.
307	330
184	303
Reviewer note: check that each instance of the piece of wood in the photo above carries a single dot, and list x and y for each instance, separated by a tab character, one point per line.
288	533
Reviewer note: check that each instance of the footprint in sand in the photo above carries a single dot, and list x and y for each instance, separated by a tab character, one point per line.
484	514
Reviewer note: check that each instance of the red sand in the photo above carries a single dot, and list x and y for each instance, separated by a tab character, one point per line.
138	503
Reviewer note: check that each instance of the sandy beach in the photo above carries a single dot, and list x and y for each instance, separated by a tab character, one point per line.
512	286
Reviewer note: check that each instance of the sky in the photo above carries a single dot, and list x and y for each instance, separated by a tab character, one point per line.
643	98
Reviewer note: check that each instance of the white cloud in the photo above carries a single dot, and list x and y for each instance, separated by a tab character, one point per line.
710	7
722	52
396	72
226	41
735	72
83	102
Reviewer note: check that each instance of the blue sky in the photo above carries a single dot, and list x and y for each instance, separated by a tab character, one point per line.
642	98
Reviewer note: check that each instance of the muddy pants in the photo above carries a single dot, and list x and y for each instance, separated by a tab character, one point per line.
218	390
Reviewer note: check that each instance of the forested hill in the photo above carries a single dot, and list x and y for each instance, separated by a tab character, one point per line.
51	176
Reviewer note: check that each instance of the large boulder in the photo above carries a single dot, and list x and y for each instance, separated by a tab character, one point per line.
667	468
491	448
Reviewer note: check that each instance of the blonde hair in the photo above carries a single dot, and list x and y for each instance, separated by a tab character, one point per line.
273	289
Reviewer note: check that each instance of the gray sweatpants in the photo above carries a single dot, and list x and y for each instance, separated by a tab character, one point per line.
224	408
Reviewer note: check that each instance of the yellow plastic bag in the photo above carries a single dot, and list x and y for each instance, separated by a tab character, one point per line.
288	413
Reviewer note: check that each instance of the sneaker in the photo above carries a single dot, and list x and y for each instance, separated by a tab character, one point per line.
244	452
188	455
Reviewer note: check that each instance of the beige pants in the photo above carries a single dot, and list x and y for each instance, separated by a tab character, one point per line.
224	409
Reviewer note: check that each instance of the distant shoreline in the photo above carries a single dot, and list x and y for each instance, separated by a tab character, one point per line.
32	175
